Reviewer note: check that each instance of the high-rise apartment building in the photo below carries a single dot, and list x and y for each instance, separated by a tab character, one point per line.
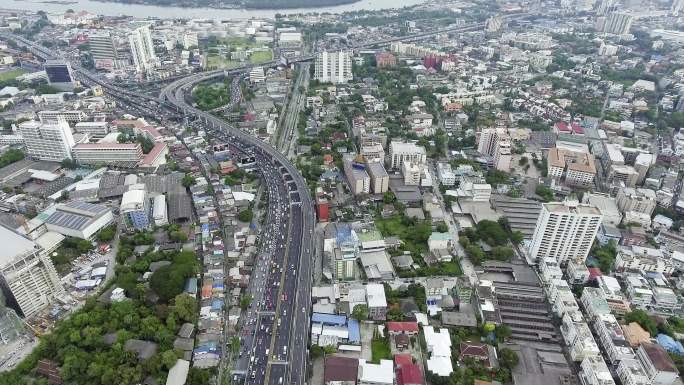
142	49
677	7
618	23
28	278
47	141
605	6
103	50
334	67
59	74
495	143
565	231
401	152
640	200
190	40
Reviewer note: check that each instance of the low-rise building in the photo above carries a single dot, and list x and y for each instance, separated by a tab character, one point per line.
638	258
376	374
612	338
657	364
79	219
578	337
594	371
113	154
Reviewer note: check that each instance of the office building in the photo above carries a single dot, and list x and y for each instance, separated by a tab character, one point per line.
358	178
412	173
256	75
401	152
334	67
446	174
112	154
47	141
640	200
28	279
70	116
565	231
103	51
59	74
135	209
618	23
578	168
379	178
95	130
623	174
142	49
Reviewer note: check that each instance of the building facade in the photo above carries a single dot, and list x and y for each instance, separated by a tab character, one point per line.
334	67
565	231
47	141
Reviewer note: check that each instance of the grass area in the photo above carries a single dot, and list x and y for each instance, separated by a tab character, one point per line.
11	74
381	350
214	61
261	56
413	233
237	42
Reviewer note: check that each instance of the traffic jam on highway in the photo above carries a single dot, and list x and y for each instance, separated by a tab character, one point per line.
274	328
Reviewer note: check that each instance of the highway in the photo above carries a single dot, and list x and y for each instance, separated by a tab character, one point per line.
276	327
273	360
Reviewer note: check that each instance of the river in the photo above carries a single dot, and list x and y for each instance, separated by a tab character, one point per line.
143	11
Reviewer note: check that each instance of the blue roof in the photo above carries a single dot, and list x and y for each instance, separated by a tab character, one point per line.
669	344
354	331
654	275
344	233
329	319
217	304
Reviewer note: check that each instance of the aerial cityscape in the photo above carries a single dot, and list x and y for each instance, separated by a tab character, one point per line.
342	192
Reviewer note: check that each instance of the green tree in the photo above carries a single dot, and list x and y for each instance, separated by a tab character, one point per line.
544	192
642	318
245	215
245	301
188	180
508	358
388	197
360	312
185	308
107	234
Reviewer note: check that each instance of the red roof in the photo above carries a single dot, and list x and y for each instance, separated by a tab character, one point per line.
577	129
403	327
152	131
594	272
402	359
117	146
409	375
153	154
562	126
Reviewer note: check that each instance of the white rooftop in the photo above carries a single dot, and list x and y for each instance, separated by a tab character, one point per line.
382	373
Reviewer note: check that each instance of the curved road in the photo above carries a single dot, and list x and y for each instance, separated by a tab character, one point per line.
284	361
